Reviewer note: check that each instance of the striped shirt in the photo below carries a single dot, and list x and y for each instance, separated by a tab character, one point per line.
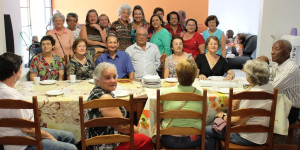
287	80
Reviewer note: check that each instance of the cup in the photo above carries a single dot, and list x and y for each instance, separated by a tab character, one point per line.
73	78
294	31
37	80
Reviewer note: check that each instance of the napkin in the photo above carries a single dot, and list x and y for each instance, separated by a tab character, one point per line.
218	125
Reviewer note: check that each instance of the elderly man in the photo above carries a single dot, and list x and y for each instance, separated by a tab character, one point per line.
182	17
119	58
286	76
144	56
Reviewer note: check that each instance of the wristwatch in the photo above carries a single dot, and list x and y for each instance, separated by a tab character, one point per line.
224	115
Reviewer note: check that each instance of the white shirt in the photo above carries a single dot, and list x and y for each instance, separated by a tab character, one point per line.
7	92
258	138
287	80
144	61
76	33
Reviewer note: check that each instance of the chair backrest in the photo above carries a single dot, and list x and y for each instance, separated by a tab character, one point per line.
106	121
188	114
250	44
21	123
251	112
163	65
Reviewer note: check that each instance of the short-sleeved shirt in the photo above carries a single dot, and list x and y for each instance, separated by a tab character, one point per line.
171	65
218	34
192	45
96	93
63	42
171	31
162	39
123	33
220	68
82	71
121	61
175	105
43	69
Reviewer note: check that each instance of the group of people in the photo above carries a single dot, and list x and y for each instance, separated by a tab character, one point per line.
133	50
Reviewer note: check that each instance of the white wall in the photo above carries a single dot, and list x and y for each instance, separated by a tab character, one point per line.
277	18
2	30
12	7
238	15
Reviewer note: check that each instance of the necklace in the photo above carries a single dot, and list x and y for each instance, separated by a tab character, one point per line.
82	61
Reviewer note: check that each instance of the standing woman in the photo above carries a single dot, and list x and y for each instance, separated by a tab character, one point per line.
160	36
172	60
122	28
82	64
193	41
212	64
92	33
64	37
212	22
104	23
138	20
46	65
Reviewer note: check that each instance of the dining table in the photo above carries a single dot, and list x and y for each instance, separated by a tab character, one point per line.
217	101
59	100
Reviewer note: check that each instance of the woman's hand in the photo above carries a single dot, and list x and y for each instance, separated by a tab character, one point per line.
228	78
220	115
202	77
95	26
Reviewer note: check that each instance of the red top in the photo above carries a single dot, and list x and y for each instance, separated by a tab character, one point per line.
192	45
178	31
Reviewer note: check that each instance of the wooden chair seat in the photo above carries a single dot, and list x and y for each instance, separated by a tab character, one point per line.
241	147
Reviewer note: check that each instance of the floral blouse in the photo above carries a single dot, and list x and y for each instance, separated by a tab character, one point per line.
44	70
96	93
81	71
171	65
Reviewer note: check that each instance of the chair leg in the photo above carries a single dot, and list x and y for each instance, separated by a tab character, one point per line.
290	136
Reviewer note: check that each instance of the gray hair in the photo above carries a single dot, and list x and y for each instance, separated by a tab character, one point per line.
183	13
100	69
124	6
258	71
58	15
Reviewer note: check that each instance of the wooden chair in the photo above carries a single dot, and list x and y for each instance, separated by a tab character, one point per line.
21	123
251	112
66	60
189	114
106	121
290	138
163	65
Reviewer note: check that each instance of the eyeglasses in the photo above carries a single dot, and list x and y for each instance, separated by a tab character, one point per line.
139	35
46	44
212	21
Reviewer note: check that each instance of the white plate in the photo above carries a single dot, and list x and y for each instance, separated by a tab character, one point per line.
121	93
216	78
47	82
54	92
91	81
223	90
171	80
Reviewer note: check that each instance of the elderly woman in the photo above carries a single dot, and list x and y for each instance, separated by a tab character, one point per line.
211	64
72	19
122	28
186	71
46	65
105	82
160	36
104	23
172	60
257	74
82	64
212	22
93	34
193	41
138	20
10	73
64	37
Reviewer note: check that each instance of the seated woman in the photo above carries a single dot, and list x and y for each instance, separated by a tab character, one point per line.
106	82
257	74
10	73
211	64
239	40
46	65
93	34
186	71
82	64
172	60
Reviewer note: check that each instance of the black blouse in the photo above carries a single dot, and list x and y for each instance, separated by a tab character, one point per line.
220	68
